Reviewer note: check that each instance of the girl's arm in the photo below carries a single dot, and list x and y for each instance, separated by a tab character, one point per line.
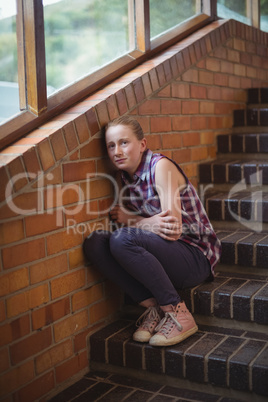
167	223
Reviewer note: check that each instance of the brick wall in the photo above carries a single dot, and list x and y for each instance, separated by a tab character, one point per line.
58	193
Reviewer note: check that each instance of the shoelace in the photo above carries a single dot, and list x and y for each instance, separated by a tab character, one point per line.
150	315
166	323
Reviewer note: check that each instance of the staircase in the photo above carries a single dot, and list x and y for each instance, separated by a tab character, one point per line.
228	356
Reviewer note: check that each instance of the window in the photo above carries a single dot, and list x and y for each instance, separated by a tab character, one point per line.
9	89
82	36
165	15
236	10
264	15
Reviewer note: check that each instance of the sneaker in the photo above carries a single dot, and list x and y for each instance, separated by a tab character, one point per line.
147	323
174	327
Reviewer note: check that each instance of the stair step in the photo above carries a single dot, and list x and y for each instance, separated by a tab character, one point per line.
250	117
249	249
218	356
258	95
233	171
243	143
244	207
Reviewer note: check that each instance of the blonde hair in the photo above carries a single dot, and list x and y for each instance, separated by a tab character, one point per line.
129	122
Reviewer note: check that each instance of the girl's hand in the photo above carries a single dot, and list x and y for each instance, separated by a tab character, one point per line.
163	224
120	215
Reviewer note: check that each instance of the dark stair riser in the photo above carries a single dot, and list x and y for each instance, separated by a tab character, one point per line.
250	117
245	207
258	95
242	143
233	172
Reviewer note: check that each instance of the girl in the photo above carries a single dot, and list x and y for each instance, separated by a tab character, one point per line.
165	241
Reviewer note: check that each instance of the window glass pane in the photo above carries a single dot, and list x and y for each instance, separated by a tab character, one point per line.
169	13
264	15
81	36
237	10
9	90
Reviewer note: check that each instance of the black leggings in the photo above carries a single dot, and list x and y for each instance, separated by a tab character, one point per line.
144	265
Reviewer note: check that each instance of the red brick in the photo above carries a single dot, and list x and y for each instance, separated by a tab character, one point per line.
228	94
74	171
17	173
58	145
221	79
198	122
48	268
207	137
150	107
80	340
16	378
198	92
16	280
181	123
227	67
11	231
70	325
58	242
4	360
70	136
200	153
86	297
2	311
82	128
54	356
43	223
154	142
190	139
233	55
14	330
30	346
147	84
50	313
206	77
103	309
190	75
215	122
27	300
3	182
102	112
190	107
214	93
46	155
234	82
23	253
71	367
161	75
57	196
68	283
167	70
76	256
154	79
239	70
112	107
180	62
171	141
213	64
138	89
252	72
31	163
180	90
160	124
182	156
170	106
121	102
207	107
92	121
36	389
186	57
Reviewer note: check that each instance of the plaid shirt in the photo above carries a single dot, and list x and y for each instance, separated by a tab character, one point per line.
141	196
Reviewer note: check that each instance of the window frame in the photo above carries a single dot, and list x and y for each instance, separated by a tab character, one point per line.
36	107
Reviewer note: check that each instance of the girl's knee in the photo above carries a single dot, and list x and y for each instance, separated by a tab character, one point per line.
95	243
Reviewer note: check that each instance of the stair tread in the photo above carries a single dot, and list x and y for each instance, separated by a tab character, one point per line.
213	355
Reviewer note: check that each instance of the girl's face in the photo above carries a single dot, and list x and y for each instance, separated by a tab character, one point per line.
124	148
